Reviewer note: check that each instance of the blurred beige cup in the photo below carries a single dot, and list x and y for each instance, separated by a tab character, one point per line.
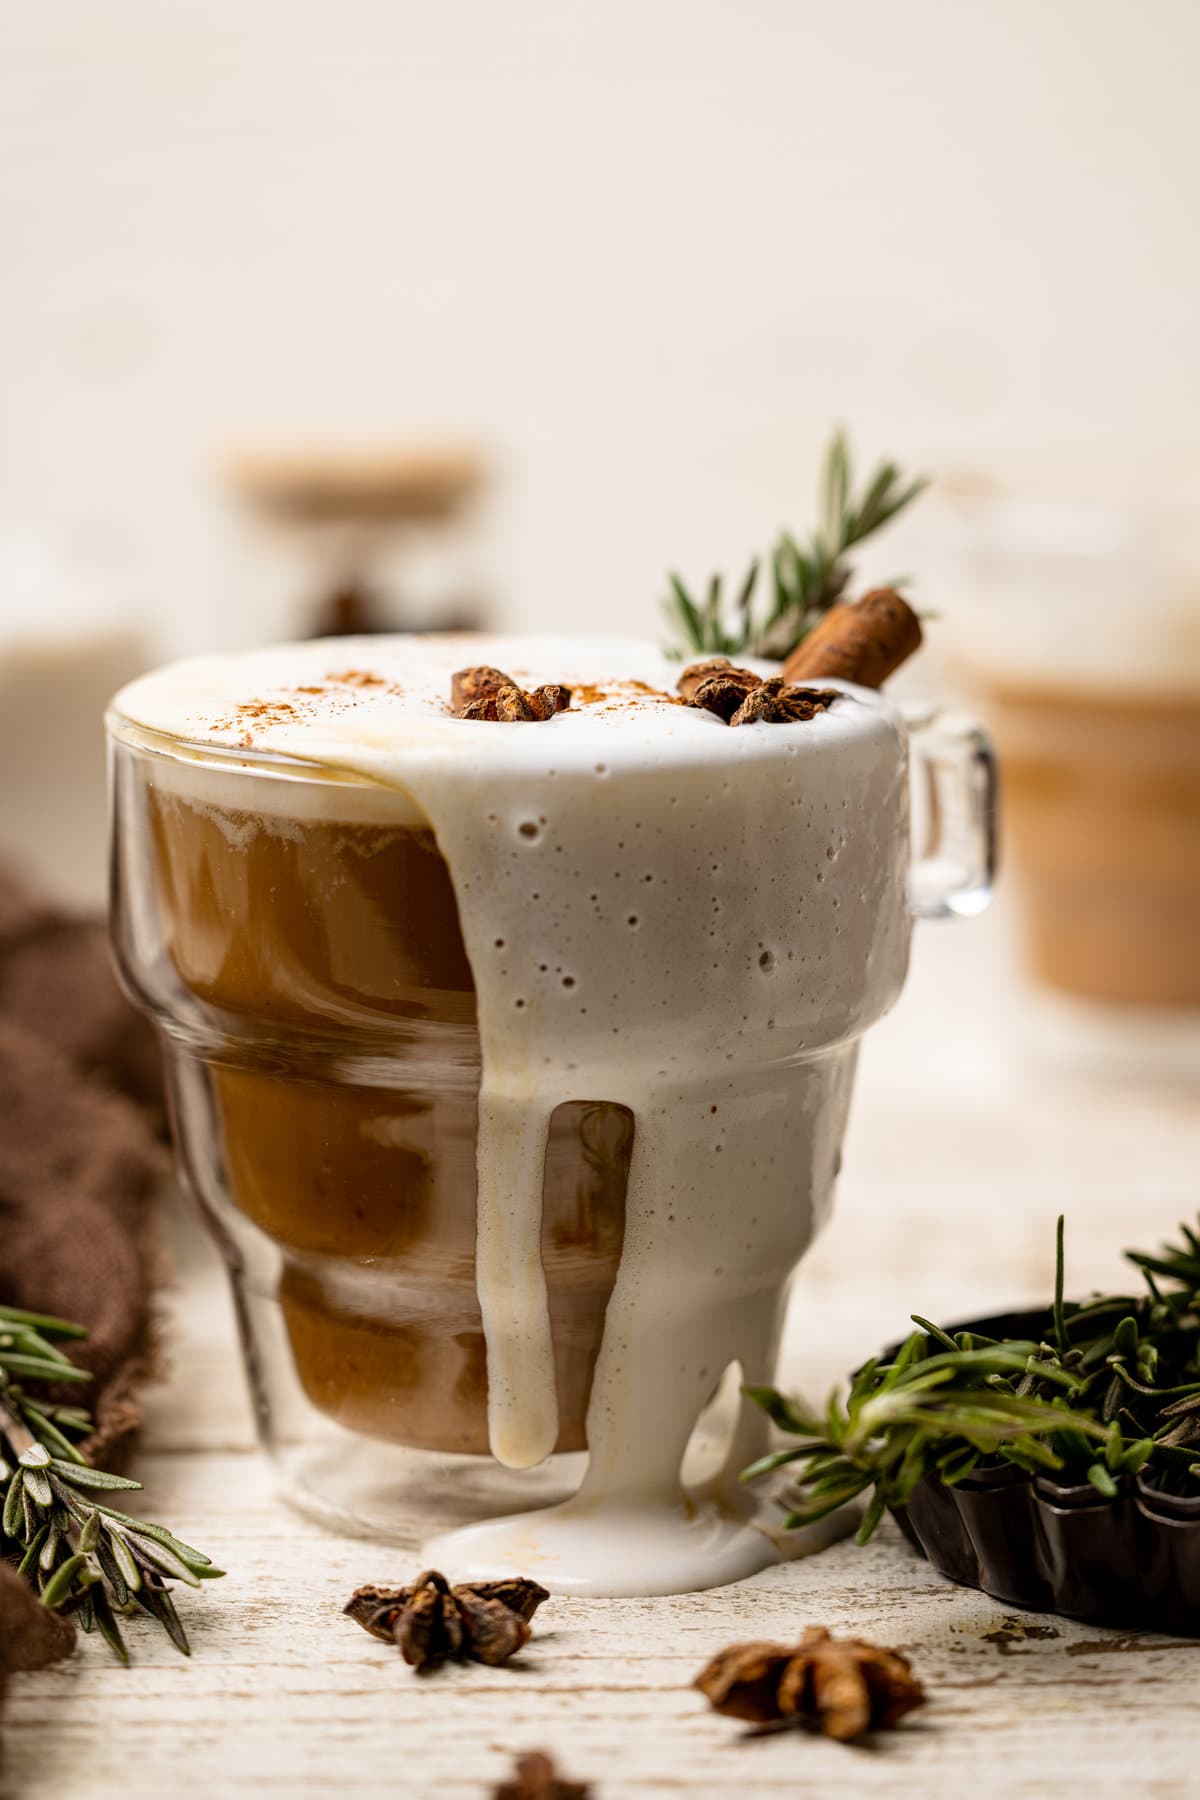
1078	629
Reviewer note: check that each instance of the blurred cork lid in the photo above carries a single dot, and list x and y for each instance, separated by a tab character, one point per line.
334	486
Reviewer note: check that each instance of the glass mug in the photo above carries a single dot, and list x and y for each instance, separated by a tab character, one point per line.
294	931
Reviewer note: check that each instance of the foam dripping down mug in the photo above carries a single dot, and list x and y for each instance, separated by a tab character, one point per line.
511	1066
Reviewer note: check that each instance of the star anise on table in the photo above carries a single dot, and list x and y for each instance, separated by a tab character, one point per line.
432	1622
842	1686
486	693
537	1778
741	697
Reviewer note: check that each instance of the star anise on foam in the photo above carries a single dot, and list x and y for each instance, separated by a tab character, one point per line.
537	1778
432	1622
843	1686
741	697
482	692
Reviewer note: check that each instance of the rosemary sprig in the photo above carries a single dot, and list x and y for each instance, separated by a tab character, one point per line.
82	1555
806	578
1110	1391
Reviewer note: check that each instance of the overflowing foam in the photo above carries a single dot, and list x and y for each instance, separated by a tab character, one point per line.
660	911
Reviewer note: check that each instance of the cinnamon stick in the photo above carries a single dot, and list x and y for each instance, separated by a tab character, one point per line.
863	642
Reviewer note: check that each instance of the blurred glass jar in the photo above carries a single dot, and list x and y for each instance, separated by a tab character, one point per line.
69	630
1077	628
384	539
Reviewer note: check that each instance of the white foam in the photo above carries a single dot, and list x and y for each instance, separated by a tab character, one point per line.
659	911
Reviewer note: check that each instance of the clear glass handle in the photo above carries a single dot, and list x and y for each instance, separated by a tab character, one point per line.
954	795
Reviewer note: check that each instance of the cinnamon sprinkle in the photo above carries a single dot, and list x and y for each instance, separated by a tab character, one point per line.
621	693
361	678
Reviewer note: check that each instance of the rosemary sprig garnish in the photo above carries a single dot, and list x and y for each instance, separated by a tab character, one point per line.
1112	1390
82	1555
806	578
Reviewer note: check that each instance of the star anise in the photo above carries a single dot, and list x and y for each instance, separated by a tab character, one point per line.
486	693
432	1622
538	1779
717	685
843	1686
741	697
476	683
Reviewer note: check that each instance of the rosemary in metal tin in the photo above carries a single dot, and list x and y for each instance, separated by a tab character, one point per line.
1111	1390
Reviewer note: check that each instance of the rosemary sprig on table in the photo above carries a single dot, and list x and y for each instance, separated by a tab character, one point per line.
1111	1390
806	578
82	1555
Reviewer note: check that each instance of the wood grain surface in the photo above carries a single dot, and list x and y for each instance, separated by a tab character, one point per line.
947	1203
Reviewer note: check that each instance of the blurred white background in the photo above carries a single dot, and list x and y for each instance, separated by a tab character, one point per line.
643	252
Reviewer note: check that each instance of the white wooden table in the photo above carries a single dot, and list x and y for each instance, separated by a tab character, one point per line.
959	1157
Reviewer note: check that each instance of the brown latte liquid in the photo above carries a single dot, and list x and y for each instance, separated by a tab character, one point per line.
336	947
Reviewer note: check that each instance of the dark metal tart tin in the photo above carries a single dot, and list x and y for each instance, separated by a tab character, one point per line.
1025	1540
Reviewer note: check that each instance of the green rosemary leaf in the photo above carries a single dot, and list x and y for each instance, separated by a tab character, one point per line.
956	1464
1031	1456
778	1458
935	1332
15	1315
746	591
48	1432
38	1488
72	1418
875	498
894	503
125	1560
159	1557
810	1515
835	493
28	1342
32	1556
876	1507
1060	1323
158	1603
1176	1269
38	1368
111	1569
911	1350
688	615
1055	1374
184	1551
783	1412
107	1625
59	1584
1166	1393
82	1475
1180	1408
10	1521
1102	1481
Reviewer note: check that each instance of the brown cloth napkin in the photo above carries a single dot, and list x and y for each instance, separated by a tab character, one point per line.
81	1159
30	1635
